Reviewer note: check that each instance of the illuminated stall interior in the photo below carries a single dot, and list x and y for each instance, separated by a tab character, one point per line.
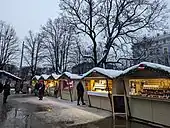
44	77
150	87
149	80
99	85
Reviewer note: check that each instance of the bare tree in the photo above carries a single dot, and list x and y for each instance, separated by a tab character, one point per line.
58	37
8	44
115	22
33	51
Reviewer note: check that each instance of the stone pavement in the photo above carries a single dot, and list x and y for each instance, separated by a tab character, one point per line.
58	111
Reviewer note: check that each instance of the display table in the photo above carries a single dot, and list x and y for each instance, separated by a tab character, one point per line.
99	100
150	109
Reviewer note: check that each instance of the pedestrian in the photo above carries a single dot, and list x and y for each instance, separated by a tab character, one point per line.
80	93
41	90
36	89
6	89
1	87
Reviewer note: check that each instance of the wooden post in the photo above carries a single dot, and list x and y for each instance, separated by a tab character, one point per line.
70	92
110	99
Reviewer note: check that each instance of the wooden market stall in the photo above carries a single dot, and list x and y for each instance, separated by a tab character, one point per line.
101	84
53	84
67	84
35	80
148	91
45	77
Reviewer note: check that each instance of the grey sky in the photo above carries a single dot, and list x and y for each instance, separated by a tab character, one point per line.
27	15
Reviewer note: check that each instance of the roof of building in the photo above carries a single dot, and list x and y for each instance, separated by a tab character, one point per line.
44	76
10	75
36	77
148	64
107	72
72	76
54	76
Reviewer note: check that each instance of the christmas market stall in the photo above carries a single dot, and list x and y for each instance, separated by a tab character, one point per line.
148	90
53	84
35	80
15	81
67	85
100	85
45	77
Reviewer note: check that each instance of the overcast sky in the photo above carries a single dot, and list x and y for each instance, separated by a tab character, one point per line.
27	15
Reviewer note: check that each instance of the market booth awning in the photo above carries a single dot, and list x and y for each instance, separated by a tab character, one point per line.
148	91
9	75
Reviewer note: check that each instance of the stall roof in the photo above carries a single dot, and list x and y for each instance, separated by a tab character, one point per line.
36	77
44	76
107	72
148	64
54	76
10	75
72	76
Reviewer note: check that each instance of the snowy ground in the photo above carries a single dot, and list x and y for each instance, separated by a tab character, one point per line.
58	111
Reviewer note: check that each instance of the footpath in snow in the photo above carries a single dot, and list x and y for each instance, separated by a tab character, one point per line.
62	111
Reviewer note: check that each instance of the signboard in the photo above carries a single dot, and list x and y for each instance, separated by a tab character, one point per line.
119	104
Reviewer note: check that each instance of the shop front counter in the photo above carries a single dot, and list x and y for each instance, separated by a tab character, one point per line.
99	100
155	110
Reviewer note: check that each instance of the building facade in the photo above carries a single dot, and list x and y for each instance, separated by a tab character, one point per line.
153	49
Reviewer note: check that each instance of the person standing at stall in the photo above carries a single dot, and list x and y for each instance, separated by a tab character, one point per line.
80	93
41	90
6	89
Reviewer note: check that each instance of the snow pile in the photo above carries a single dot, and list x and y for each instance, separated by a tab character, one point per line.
72	76
54	76
107	72
36	77
148	64
44	76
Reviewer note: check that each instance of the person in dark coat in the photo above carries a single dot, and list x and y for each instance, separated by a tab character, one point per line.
41	90
6	91
36	88
80	93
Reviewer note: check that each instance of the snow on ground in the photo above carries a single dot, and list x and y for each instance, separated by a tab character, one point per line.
61	111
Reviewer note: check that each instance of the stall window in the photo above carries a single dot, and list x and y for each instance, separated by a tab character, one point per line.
99	85
150	87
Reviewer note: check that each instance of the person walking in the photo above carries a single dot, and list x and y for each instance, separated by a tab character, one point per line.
6	89
80	93
41	90
36	89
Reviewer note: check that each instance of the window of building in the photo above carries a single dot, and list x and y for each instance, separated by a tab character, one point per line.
164	41
151	52
165	50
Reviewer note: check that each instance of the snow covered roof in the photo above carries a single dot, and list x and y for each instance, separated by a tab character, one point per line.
10	75
36	77
54	76
107	72
44	76
148	64
72	76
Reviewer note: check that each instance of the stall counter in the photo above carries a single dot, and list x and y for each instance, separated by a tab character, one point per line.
155	110
99	100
